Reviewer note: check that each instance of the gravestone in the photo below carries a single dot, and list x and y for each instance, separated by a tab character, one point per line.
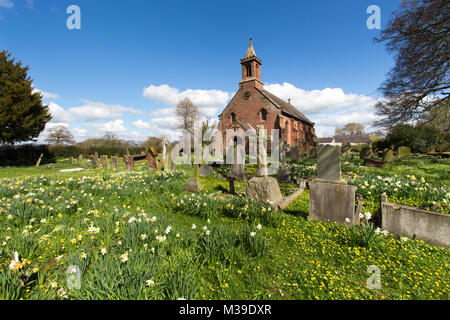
366	152
373	163
404	152
293	154
80	156
170	164
328	163
129	162
388	155
264	189
261	161
237	169
194	184
71	160
94	161
231	188
104	159
39	160
346	151
332	201
152	159
115	162
205	170
164	151
284	174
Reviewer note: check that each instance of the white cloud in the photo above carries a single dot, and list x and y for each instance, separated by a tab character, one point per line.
328	108
46	95
209	102
6	3
99	111
318	101
141	124
59	114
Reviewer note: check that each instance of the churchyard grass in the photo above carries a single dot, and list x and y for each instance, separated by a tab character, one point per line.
139	235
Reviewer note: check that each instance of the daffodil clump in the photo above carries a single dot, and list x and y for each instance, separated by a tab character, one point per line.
410	191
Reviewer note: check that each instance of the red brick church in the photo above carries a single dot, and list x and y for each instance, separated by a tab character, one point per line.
252	106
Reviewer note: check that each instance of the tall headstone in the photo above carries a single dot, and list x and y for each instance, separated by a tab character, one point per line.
284	174
194	184
345	151
404	152
104	159
261	163
294	153
328	163
71	160
129	162
39	160
94	161
115	162
388	155
152	159
164	149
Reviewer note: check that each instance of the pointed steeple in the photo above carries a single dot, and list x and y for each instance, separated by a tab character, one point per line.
250	53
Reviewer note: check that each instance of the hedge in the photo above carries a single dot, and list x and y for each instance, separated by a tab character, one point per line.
25	155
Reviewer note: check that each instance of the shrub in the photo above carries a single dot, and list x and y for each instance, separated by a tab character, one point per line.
25	155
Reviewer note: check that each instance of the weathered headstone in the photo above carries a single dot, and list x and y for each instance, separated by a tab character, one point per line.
346	151
284	174
80	156
152	159
104	159
71	160
293	154
129	162
373	163
94	161
366	152
404	152
388	155
115	162
39	160
261	162
328	163
194	184
332	201
264	189
205	170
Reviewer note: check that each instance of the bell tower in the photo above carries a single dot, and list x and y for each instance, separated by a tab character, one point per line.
251	68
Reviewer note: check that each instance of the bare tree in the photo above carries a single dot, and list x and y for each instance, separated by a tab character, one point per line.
351	129
187	114
60	135
417	34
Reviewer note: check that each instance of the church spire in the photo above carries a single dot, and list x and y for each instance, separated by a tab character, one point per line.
250	52
251	66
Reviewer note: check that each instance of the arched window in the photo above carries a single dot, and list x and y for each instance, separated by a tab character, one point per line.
233	117
263	114
249	70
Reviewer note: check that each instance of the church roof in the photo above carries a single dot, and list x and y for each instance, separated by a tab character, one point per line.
285	107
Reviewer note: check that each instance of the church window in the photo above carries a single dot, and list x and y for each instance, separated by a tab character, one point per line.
263	114
233	117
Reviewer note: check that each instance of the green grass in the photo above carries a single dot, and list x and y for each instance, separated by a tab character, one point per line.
244	251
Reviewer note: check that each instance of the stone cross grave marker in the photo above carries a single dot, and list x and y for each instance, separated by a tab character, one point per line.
328	163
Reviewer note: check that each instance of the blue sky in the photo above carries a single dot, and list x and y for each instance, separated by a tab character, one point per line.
131	61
